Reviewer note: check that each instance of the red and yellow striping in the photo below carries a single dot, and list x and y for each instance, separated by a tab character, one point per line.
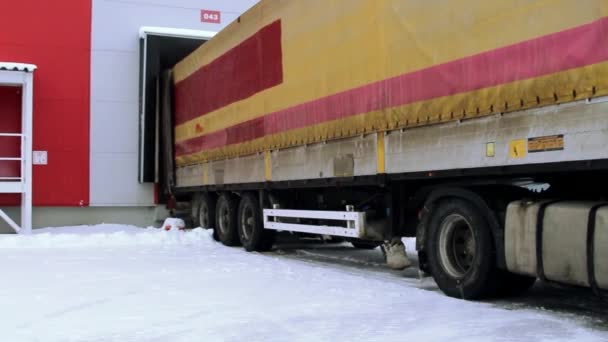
293	72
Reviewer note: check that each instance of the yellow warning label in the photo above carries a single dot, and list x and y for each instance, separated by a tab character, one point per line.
490	149
545	144
517	149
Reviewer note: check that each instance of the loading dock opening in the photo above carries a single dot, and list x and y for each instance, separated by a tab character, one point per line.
160	49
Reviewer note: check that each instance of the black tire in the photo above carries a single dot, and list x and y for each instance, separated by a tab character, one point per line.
215	236
226	220
206	211
460	250
252	234
511	284
195	205
365	244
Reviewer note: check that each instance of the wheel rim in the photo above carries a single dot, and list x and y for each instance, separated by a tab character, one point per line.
247	222
457	247
204	216
224	220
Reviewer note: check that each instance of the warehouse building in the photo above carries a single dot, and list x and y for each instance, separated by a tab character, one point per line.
96	63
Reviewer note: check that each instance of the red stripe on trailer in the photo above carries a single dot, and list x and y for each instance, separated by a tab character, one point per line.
258	61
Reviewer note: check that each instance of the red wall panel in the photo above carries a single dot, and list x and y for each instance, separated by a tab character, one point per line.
56	36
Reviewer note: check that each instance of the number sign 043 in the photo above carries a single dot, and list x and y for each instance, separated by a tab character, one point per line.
214	17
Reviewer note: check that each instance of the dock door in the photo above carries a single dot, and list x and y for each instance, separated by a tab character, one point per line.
160	49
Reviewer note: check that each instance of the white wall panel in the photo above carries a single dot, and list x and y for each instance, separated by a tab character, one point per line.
114	76
116	117
114	86
116	175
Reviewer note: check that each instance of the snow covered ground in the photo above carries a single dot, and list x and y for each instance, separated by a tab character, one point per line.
119	283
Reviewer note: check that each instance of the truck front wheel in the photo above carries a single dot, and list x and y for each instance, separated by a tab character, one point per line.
226	220
460	250
252	234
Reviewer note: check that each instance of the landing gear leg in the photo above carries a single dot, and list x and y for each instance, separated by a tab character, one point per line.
394	253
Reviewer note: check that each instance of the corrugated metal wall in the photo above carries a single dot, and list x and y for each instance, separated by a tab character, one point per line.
55	35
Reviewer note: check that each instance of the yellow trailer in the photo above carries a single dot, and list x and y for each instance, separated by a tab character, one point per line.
289	73
478	127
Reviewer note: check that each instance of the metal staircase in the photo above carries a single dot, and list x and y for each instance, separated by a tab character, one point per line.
20	75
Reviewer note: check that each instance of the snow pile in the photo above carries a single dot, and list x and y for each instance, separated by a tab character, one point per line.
174	224
105	236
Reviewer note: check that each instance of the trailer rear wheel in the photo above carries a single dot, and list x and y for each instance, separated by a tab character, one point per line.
206	211
252	234
195	203
460	250
226	220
